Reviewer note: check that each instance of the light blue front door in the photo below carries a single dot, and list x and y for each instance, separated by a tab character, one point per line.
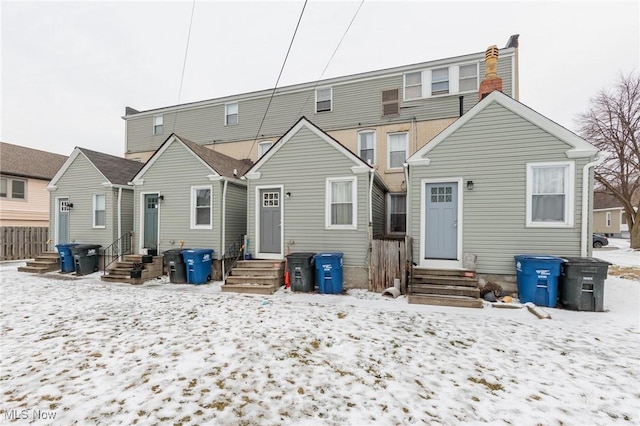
270	221
63	220
441	220
150	221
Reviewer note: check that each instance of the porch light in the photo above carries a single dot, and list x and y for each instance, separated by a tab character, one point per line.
470	185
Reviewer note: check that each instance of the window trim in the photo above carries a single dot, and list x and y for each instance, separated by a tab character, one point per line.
9	196
354	203
261	144
95	209
569	202
367	131
156	125
404	85
388	213
458	78
607	219
226	113
330	88
406	149
449	91
193	207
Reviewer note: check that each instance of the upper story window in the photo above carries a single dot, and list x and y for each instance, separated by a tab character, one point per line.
550	194
324	99
13	189
201	207
413	85
397	145
231	114
367	146
468	78
440	81
342	201
158	124
397	214
263	147
99	211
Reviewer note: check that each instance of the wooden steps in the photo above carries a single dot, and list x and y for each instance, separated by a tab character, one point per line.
255	277
445	287
120	271
45	262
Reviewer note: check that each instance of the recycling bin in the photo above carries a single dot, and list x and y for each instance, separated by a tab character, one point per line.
329	272
66	259
300	269
85	258
537	279
198	265
582	283
177	268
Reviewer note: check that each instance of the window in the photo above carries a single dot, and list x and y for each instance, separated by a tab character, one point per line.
413	85
231	114
390	104
468	78
397	220
341	210
158	124
99	211
263	147
550	194
397	143
13	189
367	146
440	81
323	99
201	207
608	219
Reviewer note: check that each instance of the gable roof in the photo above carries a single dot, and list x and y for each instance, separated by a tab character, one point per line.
605	200
115	170
218	162
580	147
26	162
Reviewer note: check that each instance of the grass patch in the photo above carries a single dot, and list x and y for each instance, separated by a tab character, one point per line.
492	386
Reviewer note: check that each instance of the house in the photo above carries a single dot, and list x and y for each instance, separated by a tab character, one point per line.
91	201
609	217
309	193
190	196
501	180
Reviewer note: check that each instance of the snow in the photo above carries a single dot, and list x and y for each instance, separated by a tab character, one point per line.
89	352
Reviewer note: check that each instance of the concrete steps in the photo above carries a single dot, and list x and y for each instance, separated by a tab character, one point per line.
45	262
444	287
255	277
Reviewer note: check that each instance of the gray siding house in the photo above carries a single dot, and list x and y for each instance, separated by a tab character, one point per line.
189	196
309	193
501	180
90	199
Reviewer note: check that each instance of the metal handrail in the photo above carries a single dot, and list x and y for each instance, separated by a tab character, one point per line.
116	250
233	253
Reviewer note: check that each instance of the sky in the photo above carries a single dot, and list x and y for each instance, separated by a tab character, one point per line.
92	352
69	69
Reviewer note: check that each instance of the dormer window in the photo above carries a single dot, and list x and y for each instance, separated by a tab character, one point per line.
413	85
440	81
158	124
324	99
231	114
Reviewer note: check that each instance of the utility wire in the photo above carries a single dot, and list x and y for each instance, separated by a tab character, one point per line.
278	80
184	65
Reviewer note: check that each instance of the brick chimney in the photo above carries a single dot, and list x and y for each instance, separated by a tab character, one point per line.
491	80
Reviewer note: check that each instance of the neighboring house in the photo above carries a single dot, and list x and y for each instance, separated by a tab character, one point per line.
91	201
608	216
311	194
189	196
500	181
24	175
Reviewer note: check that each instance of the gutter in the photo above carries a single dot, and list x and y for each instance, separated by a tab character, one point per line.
584	234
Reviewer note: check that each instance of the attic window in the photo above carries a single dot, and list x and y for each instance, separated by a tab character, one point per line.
390	104
158	124
413	85
440	81
468	80
324	99
231	114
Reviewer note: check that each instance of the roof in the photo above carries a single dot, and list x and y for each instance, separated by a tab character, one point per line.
26	162
605	200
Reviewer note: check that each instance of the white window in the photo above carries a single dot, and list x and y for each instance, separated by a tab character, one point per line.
263	147
231	114
367	146
413	85
158	124
99	211
324	99
468	78
342	201
440	81
550	194
13	189
397	214
397	144
608	220
201	207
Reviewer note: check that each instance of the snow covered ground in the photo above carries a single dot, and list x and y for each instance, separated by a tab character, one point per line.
80	351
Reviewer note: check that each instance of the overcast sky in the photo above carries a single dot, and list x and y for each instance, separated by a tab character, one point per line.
69	69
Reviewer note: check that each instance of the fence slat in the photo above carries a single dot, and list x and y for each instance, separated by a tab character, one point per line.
388	261
22	242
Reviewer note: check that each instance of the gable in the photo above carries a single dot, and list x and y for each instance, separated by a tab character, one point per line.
72	163
80	173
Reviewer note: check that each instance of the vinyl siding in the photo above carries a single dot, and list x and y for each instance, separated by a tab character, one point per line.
492	150
236	214
127	211
302	166
378	203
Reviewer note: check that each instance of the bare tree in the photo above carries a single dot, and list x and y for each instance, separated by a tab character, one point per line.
612	124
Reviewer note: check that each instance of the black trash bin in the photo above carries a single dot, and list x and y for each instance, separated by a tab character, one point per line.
177	268
85	258
582	283
299	266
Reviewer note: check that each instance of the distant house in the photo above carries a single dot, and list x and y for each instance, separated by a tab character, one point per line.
24	175
608	216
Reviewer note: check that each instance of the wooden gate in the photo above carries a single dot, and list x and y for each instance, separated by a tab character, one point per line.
389	259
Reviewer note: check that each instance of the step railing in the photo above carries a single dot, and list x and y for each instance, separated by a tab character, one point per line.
231	256
116	250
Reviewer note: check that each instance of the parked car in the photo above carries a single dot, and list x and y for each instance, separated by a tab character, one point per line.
599	241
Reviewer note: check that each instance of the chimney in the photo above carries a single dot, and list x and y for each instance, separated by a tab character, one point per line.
491	80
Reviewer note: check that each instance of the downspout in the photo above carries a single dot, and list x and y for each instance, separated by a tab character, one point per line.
372	171
224	225
119	220
408	198
585	207
370	227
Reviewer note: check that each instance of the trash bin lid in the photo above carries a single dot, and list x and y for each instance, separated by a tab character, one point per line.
329	254
195	252
521	257
585	261
300	255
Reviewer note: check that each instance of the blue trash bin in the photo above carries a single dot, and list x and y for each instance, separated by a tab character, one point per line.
198	265
537	277
67	263
329	272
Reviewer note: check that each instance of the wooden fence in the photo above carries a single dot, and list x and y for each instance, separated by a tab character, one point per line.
22	242
389	259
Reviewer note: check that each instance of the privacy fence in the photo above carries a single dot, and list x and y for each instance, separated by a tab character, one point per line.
22	242
390	259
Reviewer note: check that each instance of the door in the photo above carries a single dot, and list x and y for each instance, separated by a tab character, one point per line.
150	239
63	221
441	219
270	221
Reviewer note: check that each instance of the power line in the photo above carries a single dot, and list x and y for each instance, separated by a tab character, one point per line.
184	64
278	80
